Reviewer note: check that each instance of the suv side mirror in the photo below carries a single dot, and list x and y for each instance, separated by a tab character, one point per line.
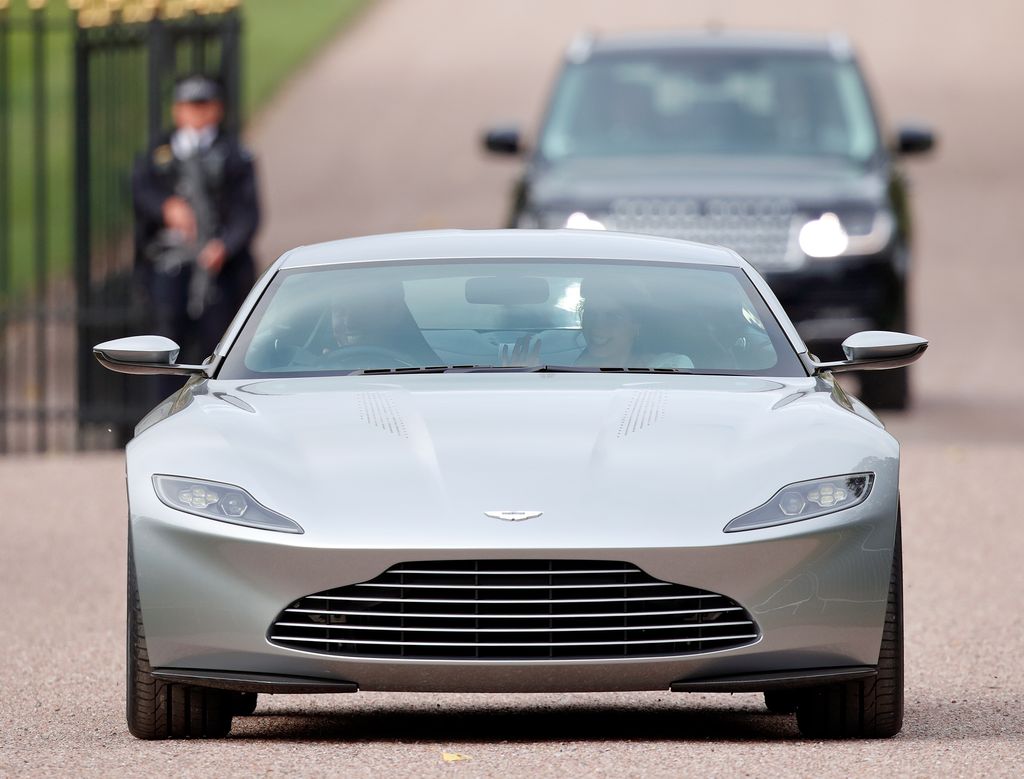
873	350
503	140
144	354
914	139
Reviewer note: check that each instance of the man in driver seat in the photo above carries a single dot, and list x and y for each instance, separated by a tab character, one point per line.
373	328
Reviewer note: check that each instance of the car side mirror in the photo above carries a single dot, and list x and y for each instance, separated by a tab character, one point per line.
503	140
914	139
144	354
873	350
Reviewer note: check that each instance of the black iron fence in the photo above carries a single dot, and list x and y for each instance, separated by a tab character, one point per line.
81	94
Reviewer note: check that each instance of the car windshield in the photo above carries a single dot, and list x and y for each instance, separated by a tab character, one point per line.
511	315
710	103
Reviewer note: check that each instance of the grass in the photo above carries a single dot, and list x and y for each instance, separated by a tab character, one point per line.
279	37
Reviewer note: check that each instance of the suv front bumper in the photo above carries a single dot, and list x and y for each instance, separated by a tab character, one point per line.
829	300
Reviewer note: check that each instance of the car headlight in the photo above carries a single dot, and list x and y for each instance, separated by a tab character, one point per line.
834	235
806	499
222	502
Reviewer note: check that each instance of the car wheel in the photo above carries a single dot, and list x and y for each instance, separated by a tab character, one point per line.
156	709
243	703
780	701
886	390
868	708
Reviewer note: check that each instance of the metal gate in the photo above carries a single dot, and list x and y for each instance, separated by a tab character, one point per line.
82	93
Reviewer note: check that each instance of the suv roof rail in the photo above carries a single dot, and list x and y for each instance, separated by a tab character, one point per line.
840	46
580	47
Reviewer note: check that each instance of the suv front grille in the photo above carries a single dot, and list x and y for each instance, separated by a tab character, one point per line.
513	610
762	231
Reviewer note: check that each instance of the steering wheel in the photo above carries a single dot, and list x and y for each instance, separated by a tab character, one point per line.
344	357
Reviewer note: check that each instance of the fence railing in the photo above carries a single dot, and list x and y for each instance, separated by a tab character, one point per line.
81	95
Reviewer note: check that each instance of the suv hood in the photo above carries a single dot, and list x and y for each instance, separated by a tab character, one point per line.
596	183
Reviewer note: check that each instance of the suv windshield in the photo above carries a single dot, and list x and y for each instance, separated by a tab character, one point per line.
507	315
710	103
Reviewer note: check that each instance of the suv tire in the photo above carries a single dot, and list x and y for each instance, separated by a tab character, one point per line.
781	701
885	390
243	703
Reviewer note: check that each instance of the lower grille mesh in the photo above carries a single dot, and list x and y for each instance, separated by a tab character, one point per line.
513	610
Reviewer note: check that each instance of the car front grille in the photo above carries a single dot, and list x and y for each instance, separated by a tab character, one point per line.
762	231
513	610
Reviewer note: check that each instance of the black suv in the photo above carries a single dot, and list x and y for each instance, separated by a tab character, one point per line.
768	144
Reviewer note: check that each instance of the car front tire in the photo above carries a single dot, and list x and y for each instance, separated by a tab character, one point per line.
159	710
781	701
243	703
867	708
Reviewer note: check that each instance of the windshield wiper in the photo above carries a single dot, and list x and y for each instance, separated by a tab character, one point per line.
469	368
677	371
588	369
406	369
513	369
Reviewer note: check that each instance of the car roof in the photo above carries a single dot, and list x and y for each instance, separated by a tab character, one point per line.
508	244
518	244
836	45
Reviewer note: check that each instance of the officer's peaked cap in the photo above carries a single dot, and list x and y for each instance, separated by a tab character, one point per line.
196	89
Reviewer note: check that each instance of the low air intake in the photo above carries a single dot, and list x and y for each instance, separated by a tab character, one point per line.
513	610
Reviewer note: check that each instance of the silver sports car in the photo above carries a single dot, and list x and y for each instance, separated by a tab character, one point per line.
513	461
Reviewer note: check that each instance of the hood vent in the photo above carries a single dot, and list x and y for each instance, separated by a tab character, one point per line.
377	409
645	408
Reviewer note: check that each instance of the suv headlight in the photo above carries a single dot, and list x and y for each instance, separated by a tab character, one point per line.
823	237
557	218
222	502
578	220
806	499
837	235
528	221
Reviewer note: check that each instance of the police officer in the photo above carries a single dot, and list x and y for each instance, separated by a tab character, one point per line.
196	212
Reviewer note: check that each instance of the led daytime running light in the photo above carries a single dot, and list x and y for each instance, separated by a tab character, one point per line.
806	500
220	502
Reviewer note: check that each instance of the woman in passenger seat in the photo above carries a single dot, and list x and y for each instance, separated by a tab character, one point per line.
611	318
612	322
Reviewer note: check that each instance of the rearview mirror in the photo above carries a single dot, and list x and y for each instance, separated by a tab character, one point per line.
503	140
874	350
143	354
499	290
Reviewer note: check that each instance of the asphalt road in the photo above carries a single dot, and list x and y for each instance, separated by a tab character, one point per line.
381	133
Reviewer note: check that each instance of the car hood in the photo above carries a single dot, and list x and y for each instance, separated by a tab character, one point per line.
596	183
416	461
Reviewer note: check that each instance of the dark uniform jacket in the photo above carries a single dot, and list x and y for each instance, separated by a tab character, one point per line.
232	194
